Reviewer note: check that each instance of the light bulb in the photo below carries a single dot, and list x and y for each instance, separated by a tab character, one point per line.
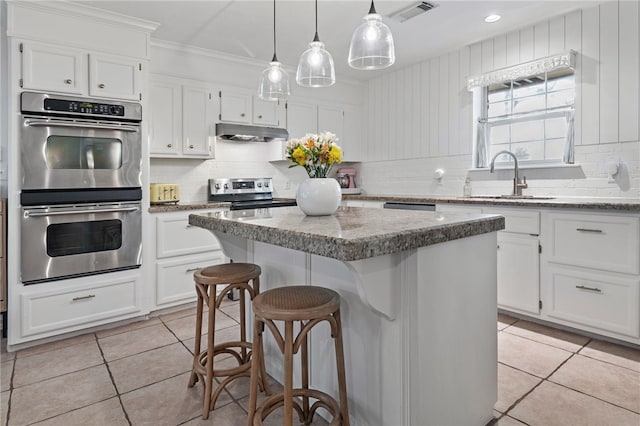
372	33
275	75
315	57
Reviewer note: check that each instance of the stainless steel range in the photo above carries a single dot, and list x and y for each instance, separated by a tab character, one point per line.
246	193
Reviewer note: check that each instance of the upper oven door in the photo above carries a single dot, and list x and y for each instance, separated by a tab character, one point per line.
61	153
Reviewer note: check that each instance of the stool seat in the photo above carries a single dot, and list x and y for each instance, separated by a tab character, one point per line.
227	273
296	303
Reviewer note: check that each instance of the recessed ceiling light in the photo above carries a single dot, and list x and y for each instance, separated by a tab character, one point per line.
492	18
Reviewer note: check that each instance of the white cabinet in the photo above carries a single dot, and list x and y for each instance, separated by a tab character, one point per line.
181	249
591	272
242	107
80	303
458	208
364	203
53	68
518	260
302	118
182	119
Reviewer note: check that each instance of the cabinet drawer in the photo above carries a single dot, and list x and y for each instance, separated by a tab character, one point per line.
174	277
610	243
520	221
176	237
596	299
44	311
457	208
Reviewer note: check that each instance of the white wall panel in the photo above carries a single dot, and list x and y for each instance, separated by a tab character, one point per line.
434	107
390	150
629	71
513	48
609	77
573	41
500	52
425	103
556	35
416	112
383	152
590	105
454	103
443	126
541	40
526	44
487	55
465	103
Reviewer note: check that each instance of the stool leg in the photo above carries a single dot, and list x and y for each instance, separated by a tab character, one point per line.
304	366
243	329
196	351
342	383
257	361
288	373
211	326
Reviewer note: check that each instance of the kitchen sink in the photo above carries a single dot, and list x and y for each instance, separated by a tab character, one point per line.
513	197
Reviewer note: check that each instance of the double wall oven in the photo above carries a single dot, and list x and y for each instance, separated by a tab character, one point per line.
80	186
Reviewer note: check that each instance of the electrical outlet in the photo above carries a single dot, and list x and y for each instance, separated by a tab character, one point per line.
287	184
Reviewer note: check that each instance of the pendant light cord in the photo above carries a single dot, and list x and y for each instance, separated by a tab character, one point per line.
275	58
316	38
372	9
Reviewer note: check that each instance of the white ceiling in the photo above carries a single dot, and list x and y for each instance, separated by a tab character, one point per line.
245	27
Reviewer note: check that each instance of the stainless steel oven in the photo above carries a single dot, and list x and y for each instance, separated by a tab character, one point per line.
78	143
64	241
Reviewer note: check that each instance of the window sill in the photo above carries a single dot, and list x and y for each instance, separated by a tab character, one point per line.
540	171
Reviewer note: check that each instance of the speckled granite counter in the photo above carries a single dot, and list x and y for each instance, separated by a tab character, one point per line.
351	233
163	208
621	204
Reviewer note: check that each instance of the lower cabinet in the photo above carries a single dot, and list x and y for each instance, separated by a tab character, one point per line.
67	306
180	250
518	272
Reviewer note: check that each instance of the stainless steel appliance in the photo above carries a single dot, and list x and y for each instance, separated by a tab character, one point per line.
246	193
80	188
247	133
406	205
65	241
79	143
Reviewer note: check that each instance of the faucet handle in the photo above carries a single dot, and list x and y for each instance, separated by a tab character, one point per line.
524	183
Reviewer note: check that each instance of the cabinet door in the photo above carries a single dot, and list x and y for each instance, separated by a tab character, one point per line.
302	118
235	107
114	77
350	141
166	107
518	272
331	119
197	121
265	113
53	69
174	276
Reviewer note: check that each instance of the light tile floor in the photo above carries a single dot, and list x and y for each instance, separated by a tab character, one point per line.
137	375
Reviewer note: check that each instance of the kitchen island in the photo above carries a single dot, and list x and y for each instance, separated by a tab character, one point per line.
418	304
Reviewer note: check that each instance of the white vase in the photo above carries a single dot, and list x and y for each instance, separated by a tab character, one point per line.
319	196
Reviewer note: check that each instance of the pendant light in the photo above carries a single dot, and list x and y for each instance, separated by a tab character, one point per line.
315	68
372	44
274	80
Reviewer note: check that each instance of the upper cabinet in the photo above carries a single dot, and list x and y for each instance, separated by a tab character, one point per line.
53	68
237	106
182	119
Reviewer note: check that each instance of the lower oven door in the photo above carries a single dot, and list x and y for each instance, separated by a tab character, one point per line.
59	242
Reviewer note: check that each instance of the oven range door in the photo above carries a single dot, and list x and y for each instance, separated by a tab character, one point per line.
61	153
59	242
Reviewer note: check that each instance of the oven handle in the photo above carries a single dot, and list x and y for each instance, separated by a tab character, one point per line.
27	213
46	123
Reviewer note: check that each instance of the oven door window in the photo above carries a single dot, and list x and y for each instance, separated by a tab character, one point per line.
65	239
78	152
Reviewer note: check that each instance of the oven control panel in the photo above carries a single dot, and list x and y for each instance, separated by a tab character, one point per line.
240	186
76	107
83	107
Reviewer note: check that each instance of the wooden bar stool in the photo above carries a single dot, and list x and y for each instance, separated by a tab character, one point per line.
232	276
309	305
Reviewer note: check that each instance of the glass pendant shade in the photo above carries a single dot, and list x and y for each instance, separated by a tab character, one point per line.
372	45
315	68
274	82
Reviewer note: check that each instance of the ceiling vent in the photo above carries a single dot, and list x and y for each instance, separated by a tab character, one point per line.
412	11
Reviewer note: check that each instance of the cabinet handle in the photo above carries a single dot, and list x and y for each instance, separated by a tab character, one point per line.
259	116
68	81
498	247
194	269
169	145
190	146
88	296
242	114
594	289
189	226
101	85
596	231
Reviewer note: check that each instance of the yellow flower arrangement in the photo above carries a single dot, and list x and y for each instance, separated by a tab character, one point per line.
316	153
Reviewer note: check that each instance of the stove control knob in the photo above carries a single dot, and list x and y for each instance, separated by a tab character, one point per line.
266	184
259	185
217	186
226	186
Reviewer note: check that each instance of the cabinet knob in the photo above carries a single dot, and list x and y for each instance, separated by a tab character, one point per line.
259	116
68	81
169	145
190	146
242	114
101	85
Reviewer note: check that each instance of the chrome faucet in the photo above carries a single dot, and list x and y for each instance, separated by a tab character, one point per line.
518	185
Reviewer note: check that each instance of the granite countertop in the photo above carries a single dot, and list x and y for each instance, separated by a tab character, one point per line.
621	204
163	208
351	233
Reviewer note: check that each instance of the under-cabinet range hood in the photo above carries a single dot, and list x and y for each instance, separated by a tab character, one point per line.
246	133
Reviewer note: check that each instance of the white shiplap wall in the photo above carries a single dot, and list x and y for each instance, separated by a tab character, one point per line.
425	111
